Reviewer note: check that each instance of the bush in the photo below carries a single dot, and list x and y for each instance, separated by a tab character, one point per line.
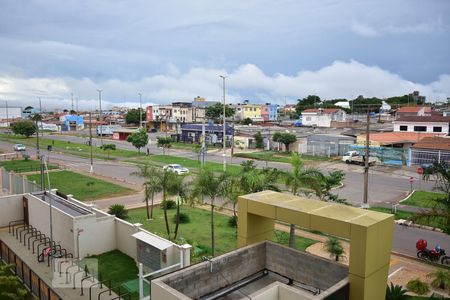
184	218
118	210
417	286
170	204
232	221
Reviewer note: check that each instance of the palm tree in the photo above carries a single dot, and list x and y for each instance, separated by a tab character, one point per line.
151	184
441	279
208	184
440	172
168	181
334	247
184	195
301	178
395	292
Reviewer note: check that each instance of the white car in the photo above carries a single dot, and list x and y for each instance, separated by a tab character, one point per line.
19	147
176	168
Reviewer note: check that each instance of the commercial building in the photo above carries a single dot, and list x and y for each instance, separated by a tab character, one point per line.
71	122
192	133
429	124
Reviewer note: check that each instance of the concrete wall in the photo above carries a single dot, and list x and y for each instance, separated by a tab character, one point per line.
304	267
428	125
11	209
198	280
39	218
124	241
161	290
98	234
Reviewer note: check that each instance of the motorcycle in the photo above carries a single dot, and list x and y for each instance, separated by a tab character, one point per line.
435	254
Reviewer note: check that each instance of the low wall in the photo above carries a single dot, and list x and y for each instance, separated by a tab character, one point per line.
124	241
11	209
98	234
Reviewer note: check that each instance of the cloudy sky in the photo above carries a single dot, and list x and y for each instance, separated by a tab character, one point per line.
176	50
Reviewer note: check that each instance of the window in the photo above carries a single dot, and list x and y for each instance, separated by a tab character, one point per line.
420	128
437	129
308	118
403	128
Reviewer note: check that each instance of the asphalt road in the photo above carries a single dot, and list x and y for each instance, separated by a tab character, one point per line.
384	186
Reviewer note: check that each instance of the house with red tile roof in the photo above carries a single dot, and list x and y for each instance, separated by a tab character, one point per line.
431	149
413	111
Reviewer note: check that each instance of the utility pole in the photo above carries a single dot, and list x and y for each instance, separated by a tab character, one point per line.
224	129
140	110
365	203
40	113
203	142
7	117
100	115
76	103
91	169
40	157
71	96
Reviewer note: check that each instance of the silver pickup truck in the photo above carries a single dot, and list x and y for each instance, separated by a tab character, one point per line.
353	157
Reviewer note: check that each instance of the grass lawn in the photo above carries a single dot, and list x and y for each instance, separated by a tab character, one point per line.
78	149
117	267
406	215
20	166
283	157
190	163
197	231
423	199
68	182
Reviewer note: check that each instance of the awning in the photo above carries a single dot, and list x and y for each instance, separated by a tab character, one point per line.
152	240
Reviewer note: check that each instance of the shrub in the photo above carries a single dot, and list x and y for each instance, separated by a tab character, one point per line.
170	204
184	218
395	292
417	286
118	210
232	221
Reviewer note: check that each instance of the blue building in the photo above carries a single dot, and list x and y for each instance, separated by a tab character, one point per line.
269	112
191	133
71	122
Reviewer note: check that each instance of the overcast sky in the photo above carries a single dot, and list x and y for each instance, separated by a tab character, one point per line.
176	50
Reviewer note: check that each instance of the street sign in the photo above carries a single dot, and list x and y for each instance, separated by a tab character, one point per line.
420	170
411	179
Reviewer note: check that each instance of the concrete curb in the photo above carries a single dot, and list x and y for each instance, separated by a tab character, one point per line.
415	258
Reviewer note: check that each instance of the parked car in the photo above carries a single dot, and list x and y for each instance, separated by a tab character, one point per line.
19	147
353	157
176	168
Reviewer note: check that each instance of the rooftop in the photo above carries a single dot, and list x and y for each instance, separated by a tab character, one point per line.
66	206
324	110
425	119
389	138
434	143
413	109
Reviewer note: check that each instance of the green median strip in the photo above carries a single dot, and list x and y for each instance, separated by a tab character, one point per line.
423	199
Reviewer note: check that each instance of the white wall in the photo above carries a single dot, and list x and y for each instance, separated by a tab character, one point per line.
11	209
429	125
98	234
124	241
39	218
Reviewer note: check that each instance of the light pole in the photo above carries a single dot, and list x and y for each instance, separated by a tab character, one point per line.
100	115
140	110
224	129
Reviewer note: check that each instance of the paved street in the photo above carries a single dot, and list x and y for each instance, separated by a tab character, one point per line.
383	187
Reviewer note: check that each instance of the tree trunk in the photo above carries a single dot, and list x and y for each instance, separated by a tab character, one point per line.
177	222
151	208
165	214
234	209
337	257
212	226
287	147
146	201
292	236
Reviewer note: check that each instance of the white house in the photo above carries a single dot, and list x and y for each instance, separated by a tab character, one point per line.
322	117
428	124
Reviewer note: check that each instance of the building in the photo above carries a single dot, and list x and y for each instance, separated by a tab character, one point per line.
252	111
326	144
413	111
199	107
121	134
417	98
429	150
10	112
71	122
322	117
191	133
429	124
269	112
182	112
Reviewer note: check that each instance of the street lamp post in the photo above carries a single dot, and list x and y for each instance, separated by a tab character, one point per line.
224	123
140	110
100	115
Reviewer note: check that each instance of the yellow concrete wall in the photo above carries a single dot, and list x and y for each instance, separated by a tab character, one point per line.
370	233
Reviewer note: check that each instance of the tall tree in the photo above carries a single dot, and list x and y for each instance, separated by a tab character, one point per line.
169	183
132	116
215	112
285	138
207	184
259	140
138	139
301	178
26	128
152	185
108	148
164	143
440	172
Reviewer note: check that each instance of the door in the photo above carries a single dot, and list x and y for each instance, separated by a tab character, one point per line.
25	210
